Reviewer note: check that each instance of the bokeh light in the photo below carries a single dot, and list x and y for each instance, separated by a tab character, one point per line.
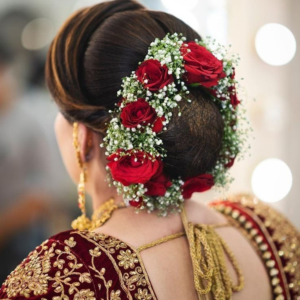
271	180
37	34
188	4
186	16
217	25
85	3
275	44
276	113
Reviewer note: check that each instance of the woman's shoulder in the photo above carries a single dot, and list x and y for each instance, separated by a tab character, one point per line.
201	213
273	236
52	269
79	264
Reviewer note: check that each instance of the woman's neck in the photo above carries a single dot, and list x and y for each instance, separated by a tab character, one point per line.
100	198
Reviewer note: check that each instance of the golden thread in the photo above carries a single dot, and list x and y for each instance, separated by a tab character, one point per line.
207	248
104	212
207	251
76	144
160	241
82	222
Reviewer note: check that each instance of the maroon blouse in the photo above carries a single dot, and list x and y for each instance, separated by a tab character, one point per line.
80	265
84	265
274	238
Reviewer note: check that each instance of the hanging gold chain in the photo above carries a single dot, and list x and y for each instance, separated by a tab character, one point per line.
207	250
104	212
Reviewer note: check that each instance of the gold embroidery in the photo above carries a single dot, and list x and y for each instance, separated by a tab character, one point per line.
207	250
70	242
110	243
142	295
137	276
101	273
84	295
127	259
114	295
160	241
31	276
95	252
62	279
104	212
283	241
129	281
85	277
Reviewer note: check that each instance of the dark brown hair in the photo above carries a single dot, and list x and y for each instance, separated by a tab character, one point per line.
100	45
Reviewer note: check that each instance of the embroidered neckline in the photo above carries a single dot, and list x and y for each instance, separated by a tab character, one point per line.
52	265
138	249
140	292
274	238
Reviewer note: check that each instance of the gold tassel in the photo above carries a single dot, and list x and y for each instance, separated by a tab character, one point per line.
207	250
82	222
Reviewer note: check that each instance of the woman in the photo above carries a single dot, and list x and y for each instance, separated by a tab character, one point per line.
232	251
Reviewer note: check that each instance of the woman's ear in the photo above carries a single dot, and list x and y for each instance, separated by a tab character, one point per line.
85	139
89	142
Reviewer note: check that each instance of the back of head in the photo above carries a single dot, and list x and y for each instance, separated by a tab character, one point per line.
97	47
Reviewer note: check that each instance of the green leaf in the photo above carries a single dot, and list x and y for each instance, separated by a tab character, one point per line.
194	84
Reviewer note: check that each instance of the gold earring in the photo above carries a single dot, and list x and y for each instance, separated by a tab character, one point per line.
82	222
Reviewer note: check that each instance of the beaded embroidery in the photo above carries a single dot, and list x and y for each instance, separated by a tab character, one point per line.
275	239
54	269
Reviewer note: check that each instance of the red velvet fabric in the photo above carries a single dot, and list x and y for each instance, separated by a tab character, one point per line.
79	265
84	265
274	238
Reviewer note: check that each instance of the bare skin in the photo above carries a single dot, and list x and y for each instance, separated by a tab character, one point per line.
168	265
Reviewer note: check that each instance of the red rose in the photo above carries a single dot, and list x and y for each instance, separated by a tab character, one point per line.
202	67
233	97
230	163
158	124
120	102
153	75
134	167
233	73
141	112
136	203
158	184
214	93
200	183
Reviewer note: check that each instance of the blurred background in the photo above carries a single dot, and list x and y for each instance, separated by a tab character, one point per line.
37	199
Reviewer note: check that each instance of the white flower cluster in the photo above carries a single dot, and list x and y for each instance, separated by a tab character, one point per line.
120	137
169	203
167	52
236	125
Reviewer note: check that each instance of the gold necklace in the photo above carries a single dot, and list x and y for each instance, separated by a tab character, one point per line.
104	212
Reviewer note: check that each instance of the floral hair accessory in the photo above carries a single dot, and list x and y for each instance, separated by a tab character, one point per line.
133	145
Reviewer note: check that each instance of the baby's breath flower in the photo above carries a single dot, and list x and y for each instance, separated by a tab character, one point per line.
143	138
